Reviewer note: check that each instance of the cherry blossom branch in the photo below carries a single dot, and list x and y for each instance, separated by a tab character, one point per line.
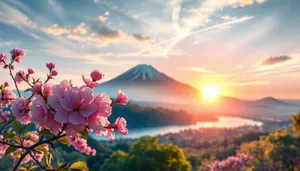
31	149
20	160
13	78
9	122
38	163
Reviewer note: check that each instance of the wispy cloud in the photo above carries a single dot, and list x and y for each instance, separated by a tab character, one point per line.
57	8
8	43
194	69
246	83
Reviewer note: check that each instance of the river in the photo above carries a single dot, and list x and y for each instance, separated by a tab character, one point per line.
224	122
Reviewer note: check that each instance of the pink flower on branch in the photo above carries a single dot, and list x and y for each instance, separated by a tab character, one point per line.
51	65
3	58
20	109
6	97
17	54
122	98
96	75
21	76
31	71
72	104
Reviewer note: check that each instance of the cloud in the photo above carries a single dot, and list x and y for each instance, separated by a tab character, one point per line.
247	83
243	3
110	35
56	30
194	69
143	38
227	18
274	60
8	43
101	19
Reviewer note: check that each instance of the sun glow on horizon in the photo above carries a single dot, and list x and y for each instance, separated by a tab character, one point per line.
211	91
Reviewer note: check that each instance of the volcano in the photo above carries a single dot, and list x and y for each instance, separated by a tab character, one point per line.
144	82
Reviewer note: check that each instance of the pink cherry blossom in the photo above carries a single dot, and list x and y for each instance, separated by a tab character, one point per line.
89	83
50	65
5	66
31	71
120	125
17	54
12	67
3	148
122	97
6	84
37	88
96	75
34	137
3	58
4	116
6	97
20	77
20	109
47	89
73	105
99	120
81	145
42	117
54	73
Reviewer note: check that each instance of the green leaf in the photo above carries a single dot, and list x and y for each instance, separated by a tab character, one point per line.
7	135
10	149
65	140
48	160
41	148
46	132
16	126
33	167
23	168
79	165
85	134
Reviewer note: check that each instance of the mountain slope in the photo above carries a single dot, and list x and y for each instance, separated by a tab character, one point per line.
271	101
144	82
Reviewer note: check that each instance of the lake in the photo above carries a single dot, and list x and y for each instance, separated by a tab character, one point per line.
224	122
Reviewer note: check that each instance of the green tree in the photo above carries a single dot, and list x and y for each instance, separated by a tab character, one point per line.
296	122
285	149
148	155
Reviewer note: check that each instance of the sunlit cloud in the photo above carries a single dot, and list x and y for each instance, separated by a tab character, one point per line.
246	83
194	69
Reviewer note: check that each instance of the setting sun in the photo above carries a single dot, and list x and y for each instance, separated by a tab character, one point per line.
211	92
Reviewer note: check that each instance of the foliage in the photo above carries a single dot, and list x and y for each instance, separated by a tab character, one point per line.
148	155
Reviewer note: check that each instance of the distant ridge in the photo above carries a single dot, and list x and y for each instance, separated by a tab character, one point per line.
271	101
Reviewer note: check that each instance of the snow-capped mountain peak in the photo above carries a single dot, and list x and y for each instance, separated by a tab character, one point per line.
142	73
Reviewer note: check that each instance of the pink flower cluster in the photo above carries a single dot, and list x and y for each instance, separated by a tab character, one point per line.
81	145
232	163
62	109
6	97
20	109
4	116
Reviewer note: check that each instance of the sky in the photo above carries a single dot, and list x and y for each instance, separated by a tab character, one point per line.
250	48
